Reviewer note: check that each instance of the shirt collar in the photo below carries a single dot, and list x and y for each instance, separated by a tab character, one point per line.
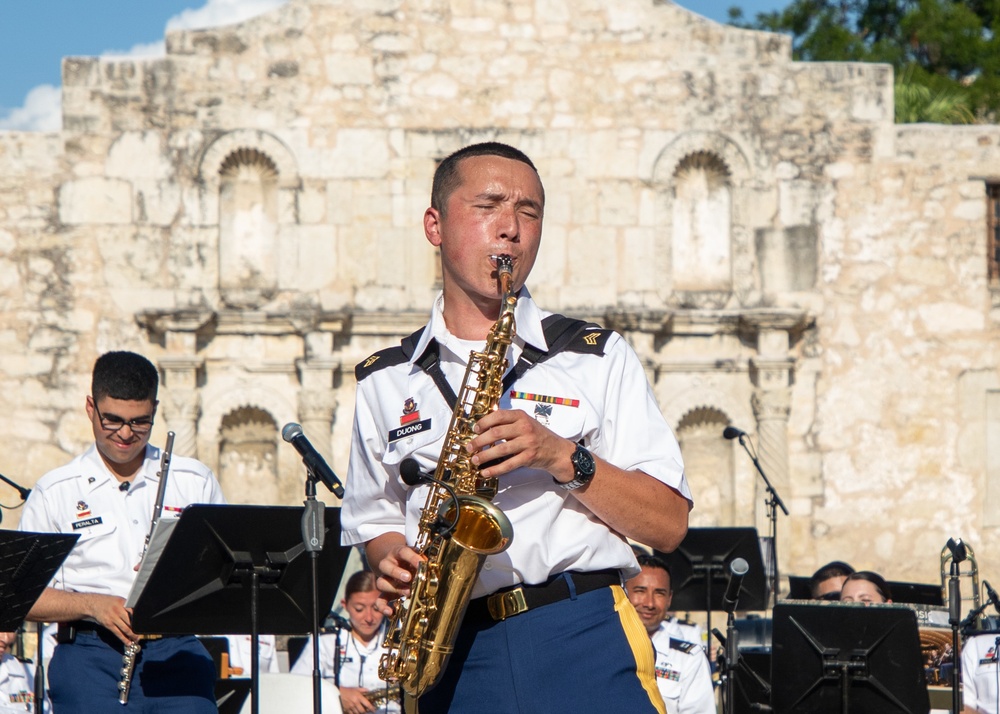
527	319
103	474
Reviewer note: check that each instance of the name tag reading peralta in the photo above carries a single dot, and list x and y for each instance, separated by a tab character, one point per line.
97	520
409	430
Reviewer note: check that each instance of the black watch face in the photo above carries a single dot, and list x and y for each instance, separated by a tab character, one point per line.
583	462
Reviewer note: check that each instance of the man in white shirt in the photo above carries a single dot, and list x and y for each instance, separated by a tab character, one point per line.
683	674
980	690
582	456
106	496
17	683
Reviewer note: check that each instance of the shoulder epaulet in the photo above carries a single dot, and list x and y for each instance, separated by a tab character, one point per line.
683	646
388	357
589	341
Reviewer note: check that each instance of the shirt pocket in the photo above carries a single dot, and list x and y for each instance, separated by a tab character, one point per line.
423	443
98	530
566	421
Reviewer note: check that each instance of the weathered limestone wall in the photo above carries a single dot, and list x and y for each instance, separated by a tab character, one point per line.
246	211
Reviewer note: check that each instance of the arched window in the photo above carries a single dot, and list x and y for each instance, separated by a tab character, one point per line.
248	457
708	465
702	220
248	229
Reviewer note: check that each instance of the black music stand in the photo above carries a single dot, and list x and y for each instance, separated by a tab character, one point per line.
845	658
27	563
238	570
699	570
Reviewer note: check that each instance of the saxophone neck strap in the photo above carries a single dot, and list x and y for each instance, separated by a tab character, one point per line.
560	332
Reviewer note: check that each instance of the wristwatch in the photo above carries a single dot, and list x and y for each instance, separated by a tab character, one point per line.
583	469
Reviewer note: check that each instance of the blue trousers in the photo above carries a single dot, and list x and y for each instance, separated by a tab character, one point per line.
174	674
588	654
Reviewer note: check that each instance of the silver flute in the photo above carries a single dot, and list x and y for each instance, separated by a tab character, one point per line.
131	653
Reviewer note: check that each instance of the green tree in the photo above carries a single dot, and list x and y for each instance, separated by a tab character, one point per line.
946	53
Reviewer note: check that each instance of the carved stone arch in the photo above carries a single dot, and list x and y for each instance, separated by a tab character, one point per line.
698	417
707	154
248	456
216	155
228	397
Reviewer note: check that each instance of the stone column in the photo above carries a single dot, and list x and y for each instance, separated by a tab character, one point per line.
317	400
181	402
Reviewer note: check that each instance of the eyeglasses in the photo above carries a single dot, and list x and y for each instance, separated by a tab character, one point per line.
139	426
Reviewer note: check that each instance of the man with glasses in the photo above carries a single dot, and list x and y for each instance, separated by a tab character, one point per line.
106	496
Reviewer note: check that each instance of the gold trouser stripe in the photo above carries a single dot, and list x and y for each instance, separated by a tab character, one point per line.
642	647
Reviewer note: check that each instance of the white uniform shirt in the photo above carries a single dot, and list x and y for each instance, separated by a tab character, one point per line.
83	497
683	674
603	401
358	662
980	691
17	686
240	653
688	632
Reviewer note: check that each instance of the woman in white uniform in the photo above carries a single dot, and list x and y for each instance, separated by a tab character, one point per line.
359	652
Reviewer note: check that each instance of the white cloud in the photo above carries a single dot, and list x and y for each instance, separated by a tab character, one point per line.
41	111
220	12
42	108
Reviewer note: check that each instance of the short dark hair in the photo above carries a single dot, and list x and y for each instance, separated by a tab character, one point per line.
124	375
835	569
447	178
875	579
652	561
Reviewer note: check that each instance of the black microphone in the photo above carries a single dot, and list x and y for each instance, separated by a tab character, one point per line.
738	568
409	471
731	432
21	491
411	475
335	620
124	486
992	595
292	433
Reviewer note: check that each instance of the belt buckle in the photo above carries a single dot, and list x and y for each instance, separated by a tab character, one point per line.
150	638
507	604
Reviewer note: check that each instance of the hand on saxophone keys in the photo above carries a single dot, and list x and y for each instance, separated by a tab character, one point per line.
395	564
511	439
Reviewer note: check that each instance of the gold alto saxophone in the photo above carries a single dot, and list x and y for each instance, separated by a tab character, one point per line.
378	697
421	634
131	653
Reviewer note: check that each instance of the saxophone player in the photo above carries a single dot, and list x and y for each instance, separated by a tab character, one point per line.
106	495
582	455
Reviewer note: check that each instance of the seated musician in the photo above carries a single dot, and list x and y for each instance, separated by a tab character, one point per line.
355	671
683	675
980	693
825	583
107	496
17	682
866	587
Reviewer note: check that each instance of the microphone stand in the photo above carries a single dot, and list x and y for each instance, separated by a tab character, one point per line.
313	535
955	620
773	503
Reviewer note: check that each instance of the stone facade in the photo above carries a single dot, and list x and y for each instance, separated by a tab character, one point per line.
246	211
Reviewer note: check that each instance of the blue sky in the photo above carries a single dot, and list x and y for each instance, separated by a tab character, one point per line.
36	34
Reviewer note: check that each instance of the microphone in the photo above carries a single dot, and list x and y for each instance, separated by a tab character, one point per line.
292	433
731	432
124	486
738	569
21	491
410	473
992	595
338	621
